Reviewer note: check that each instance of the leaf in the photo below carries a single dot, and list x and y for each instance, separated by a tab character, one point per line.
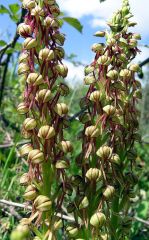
2	43
74	22
14	8
3	9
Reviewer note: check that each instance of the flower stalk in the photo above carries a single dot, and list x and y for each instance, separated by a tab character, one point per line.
110	130
42	71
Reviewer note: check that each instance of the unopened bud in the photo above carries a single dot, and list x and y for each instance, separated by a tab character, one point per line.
66	146
137	36
84	203
29	4
109	110
89	80
55	10
51	22
37	11
24	29
24	57
98	219
92	131
95	96
29	124
109	192
43	96
104	60
125	73
30	193
46	132
35	79
134	68
115	159
64	89
59	38
113	74
23	68
72	231
133	43
59	52
46	54
61	109
62	164
88	69
138	94
93	174
104	152
29	43
58	224
97	47
25	149
62	70
99	34
24	179
36	156
42	203
22	108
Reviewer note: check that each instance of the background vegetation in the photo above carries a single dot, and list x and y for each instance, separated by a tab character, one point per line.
12	166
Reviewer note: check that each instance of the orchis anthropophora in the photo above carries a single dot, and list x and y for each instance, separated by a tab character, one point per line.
42	70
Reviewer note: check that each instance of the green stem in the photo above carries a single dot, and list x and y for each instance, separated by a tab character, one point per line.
115	217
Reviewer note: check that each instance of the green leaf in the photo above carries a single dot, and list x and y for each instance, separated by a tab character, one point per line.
74	22
14	8
4	10
2	43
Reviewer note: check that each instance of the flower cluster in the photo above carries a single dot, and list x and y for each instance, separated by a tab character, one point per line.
110	130
42	70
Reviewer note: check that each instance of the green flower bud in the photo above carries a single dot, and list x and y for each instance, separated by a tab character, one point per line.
61	109
58	224
99	34
23	68
134	68
132	24
62	70
55	10
95	96
24	179
24	29
113	74
30	193
104	152
37	11
133	43
37	238
109	110
103	60
36	156
29	4
46	54
111	41
115	159
89	80
88	69
97	47
138	94
59	38
42	203
62	164
26	134
64	89
125	73
25	149
98	219
46	132
85	117
29	43
51	22
43	96
59	52
35	79
22	108
84	203
66	146
109	192
29	124
92	132
137	36
72	231
93	174
24	57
